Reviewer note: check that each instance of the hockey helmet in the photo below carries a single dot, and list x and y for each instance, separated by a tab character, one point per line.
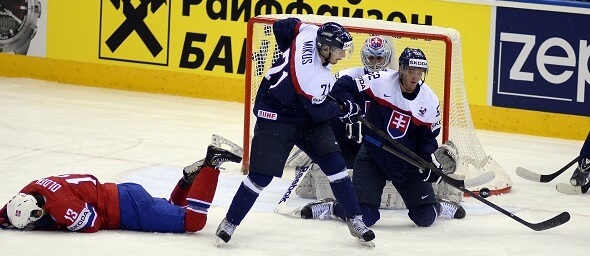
335	36
411	57
376	53
23	210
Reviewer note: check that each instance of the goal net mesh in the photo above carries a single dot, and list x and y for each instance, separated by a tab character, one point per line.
442	47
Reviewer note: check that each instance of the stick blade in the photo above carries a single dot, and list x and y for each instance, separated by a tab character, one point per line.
551	223
568	189
293	212
480	180
528	175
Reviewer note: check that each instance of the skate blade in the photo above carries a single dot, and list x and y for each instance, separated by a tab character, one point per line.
362	242
219	242
219	141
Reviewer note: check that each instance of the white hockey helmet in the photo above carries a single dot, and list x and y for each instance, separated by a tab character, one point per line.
23	210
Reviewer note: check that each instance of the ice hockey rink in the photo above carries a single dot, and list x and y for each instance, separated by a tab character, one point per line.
120	136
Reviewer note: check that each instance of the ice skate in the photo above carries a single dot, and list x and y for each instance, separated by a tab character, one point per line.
224	232
450	210
359	230
189	173
217	156
321	209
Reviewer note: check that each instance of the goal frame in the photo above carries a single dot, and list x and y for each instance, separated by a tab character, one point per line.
457	122
387	32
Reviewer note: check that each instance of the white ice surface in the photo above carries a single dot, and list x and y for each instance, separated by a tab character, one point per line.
48	129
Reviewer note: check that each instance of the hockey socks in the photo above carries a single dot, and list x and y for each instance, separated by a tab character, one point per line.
344	193
246	196
178	195
199	199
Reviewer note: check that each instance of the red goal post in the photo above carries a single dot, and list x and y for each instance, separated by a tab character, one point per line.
442	48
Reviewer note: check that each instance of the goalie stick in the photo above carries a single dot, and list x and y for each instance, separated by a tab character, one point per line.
547	224
282	207
529	175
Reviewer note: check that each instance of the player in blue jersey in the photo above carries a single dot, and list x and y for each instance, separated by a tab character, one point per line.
404	107
292	108
580	176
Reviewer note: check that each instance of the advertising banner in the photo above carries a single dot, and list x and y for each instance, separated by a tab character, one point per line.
541	61
207	37
23	27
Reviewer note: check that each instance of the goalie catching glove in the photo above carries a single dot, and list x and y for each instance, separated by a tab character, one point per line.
445	159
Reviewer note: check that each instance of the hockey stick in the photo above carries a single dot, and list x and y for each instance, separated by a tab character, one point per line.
282	207
569	189
547	224
529	175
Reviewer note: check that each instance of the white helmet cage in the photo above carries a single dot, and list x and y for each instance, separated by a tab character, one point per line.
23	210
376	53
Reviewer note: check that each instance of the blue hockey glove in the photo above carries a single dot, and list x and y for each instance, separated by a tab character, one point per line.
580	176
430	176
350	111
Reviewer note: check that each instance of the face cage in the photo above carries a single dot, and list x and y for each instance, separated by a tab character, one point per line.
376	66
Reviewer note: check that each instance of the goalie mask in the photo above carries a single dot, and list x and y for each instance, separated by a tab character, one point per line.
333	37
375	54
23	209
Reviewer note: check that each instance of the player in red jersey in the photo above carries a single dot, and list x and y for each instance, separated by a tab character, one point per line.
79	202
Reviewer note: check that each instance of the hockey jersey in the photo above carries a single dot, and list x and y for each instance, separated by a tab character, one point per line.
77	202
415	123
294	89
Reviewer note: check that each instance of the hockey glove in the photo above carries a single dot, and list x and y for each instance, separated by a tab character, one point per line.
445	157
430	176
354	132
350	111
580	176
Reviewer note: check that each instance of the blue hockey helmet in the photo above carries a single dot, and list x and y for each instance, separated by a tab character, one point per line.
335	36
411	57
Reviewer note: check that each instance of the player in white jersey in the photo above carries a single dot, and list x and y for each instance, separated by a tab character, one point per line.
291	109
375	56
404	107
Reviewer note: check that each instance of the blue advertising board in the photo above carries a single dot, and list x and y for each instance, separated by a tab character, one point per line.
541	61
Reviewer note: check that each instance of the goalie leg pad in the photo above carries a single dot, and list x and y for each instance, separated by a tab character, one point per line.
306	189
448	192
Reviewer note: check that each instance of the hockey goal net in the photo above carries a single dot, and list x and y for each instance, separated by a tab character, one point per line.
442	47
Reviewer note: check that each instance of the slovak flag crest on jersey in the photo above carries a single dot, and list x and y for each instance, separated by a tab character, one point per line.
398	124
